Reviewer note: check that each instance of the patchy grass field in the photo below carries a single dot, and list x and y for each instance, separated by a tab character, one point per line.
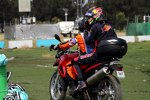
32	69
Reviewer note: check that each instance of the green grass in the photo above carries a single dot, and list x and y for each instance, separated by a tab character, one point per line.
136	63
32	69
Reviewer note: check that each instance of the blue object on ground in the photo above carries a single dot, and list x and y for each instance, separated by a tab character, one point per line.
2	44
3	59
46	43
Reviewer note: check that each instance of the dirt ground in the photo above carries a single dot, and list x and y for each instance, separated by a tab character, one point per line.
1	36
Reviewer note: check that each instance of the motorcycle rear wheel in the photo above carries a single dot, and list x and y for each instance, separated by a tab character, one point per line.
109	89
57	87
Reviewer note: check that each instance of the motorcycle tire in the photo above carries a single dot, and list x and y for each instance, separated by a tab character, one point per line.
59	91
110	89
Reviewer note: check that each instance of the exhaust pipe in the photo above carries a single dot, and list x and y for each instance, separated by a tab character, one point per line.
97	76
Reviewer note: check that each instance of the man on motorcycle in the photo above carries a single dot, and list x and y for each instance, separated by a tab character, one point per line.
100	29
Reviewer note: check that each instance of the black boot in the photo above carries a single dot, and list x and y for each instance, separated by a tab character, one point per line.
81	86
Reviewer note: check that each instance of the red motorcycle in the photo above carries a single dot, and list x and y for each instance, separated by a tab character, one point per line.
101	83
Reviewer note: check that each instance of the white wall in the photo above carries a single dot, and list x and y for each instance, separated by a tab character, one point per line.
128	38
143	38
20	44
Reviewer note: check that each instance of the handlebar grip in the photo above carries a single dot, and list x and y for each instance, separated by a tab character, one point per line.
51	47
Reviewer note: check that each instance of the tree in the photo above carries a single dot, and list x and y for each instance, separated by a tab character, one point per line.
48	9
45	10
8	10
120	20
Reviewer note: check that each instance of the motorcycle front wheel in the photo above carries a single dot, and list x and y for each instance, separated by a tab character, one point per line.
109	89
57	87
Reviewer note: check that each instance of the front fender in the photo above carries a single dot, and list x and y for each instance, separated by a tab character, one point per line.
62	71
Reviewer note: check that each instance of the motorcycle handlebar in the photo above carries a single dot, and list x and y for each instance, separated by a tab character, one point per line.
68	51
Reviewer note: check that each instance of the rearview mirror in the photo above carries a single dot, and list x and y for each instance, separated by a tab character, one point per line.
57	37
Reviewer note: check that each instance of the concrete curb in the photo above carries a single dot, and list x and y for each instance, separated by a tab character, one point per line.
128	38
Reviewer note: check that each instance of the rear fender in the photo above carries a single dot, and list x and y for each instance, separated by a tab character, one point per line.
118	68
115	65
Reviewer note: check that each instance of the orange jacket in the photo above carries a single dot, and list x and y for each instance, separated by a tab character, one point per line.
79	39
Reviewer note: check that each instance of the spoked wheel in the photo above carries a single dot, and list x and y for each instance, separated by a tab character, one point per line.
109	89
57	87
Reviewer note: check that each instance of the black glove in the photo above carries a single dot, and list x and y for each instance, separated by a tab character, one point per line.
52	47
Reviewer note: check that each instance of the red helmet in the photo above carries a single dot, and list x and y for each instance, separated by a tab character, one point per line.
94	14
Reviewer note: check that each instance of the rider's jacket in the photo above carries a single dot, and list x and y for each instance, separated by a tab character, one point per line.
80	41
99	31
